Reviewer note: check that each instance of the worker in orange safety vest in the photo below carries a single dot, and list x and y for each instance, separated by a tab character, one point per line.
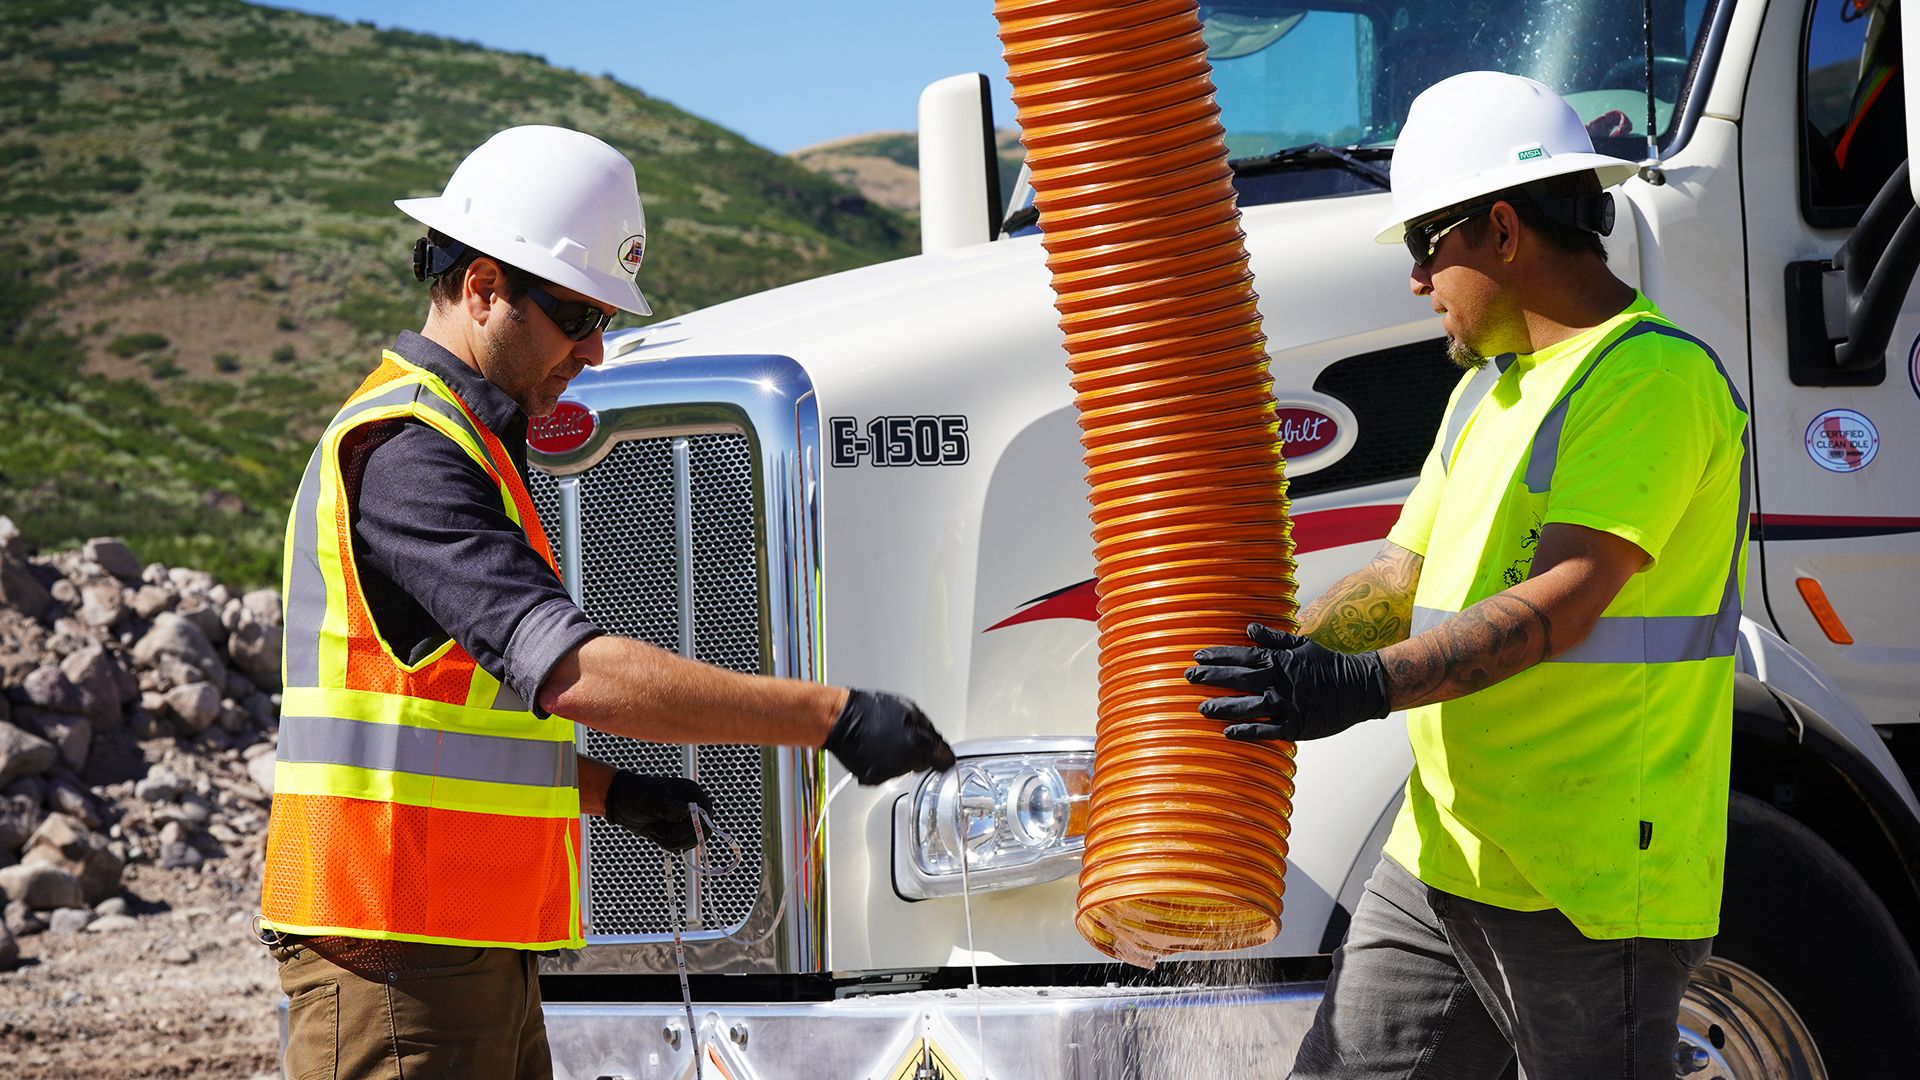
425	837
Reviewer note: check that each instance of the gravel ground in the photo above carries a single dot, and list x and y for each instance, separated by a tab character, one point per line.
184	992
137	722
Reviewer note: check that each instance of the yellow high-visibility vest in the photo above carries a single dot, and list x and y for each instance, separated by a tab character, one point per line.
1595	783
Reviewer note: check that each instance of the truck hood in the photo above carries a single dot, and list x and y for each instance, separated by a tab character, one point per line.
1317	269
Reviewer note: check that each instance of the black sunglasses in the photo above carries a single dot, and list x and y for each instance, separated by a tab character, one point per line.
576	318
1424	239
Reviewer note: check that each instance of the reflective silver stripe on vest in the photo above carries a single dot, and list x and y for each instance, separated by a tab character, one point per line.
1654	639
1478	387
1646	639
1726	631
306	588
508	699
327	740
1546	441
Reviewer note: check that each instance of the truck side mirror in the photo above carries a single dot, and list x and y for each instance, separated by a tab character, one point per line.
959	169
1841	311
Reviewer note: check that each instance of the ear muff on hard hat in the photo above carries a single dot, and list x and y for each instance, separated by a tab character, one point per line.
1586	211
434	255
1481	132
557	204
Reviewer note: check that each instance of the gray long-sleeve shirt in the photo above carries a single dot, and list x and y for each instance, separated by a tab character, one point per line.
438	555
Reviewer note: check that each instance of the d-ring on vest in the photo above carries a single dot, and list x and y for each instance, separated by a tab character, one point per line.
418	802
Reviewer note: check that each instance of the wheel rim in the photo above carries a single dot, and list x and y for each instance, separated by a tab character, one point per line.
1735	1026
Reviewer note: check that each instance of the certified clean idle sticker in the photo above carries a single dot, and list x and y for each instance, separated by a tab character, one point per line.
1843	441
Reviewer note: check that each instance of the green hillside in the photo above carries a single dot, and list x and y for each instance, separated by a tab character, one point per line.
199	254
885	166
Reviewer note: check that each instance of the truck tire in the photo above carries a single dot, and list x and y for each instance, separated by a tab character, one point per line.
1807	959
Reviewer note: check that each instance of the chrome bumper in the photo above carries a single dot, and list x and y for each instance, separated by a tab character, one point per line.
1028	1033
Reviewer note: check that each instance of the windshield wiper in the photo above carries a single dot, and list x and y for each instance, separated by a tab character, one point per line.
1353	158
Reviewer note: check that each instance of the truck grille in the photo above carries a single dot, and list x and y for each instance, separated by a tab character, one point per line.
631	584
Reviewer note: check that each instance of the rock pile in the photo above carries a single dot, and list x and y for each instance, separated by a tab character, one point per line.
136	726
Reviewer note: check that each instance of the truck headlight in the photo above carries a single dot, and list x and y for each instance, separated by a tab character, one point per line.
1017	818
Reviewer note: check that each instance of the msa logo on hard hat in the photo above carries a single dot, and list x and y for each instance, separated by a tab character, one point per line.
632	250
1529	153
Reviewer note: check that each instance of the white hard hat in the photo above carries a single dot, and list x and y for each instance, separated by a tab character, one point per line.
556	203
1481	132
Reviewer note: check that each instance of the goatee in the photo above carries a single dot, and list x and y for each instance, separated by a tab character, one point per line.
1463	356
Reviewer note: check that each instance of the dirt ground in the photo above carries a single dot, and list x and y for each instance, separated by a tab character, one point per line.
185	993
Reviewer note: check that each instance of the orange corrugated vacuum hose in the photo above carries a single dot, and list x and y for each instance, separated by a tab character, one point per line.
1187	841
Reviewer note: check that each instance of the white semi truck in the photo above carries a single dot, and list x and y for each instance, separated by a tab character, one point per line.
874	478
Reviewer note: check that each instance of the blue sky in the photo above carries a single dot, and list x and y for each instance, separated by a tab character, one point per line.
785	75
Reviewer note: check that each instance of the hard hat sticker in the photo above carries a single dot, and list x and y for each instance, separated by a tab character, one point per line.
632	250
1842	441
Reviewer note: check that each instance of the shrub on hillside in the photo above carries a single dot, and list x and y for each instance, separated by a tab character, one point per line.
130	345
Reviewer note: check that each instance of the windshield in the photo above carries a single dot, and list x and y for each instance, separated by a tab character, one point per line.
1344	73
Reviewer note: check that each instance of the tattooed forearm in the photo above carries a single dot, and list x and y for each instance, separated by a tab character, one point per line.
1495	639
1368	609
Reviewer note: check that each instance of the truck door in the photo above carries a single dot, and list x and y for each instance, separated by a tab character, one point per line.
1837	453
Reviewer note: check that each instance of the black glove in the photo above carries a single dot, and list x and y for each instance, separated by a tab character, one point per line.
1309	692
656	807
879	735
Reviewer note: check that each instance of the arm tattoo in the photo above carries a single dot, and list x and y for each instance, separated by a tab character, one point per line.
1368	609
1493	640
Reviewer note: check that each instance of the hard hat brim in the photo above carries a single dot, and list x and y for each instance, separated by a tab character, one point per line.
614	290
1612	171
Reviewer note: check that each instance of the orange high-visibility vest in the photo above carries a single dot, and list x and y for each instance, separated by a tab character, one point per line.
418	802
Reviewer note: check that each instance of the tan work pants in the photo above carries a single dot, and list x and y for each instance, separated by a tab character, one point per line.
361	1009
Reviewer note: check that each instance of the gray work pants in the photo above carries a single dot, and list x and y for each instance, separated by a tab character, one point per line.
1432	986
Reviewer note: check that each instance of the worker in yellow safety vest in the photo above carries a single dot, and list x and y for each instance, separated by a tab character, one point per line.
1555	610
425	839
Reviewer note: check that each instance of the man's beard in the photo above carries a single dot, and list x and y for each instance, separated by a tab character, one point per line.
1463	355
505	355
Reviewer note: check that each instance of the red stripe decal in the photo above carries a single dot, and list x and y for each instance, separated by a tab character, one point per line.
1315	531
1075	602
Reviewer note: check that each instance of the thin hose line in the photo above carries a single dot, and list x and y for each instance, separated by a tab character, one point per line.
696	862
966	907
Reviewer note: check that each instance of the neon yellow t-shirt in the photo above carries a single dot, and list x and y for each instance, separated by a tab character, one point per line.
1595	783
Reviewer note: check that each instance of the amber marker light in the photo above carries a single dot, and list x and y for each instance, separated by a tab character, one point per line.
1823	612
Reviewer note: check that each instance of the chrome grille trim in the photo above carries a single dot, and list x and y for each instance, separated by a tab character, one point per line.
569	554
704	423
692	910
